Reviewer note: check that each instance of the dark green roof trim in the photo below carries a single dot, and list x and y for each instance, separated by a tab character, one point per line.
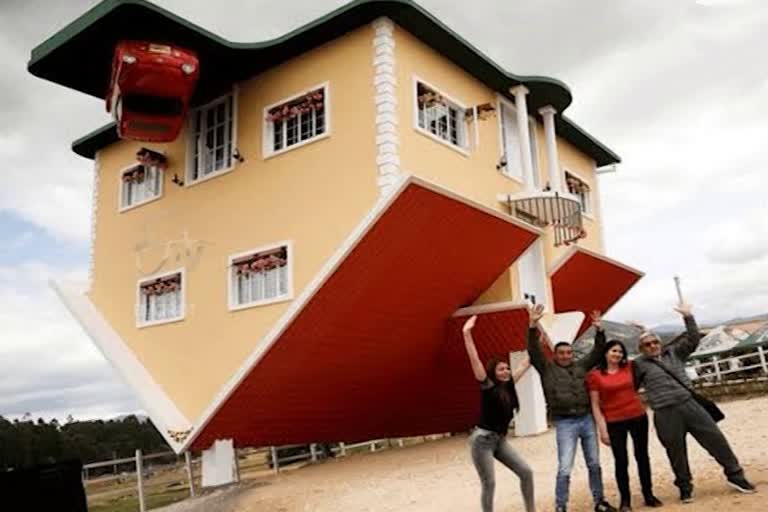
87	145
79	56
579	137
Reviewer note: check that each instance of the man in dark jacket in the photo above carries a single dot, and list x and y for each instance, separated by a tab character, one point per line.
676	413
568	404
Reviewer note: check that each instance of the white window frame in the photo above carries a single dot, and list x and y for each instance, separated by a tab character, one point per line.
140	322
463	125
588	208
120	189
232	303
510	107
267	142
188	180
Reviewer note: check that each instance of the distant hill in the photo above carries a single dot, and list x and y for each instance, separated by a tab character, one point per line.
629	335
143	418
675	328
743	320
667	328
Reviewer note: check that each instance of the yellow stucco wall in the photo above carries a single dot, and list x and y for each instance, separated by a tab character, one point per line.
293	196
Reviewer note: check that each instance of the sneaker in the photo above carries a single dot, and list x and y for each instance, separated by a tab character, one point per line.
653	502
625	507
604	506
686	495
742	485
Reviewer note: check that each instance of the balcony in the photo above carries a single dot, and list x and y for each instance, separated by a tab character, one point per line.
543	209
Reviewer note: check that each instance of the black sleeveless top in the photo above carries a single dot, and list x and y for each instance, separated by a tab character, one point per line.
494	414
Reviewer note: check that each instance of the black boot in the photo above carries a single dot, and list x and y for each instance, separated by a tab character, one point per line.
652	501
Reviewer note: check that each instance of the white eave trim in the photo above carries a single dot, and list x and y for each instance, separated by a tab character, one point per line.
163	411
573	250
490	308
331	265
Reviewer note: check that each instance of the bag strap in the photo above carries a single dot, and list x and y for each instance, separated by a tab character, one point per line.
669	372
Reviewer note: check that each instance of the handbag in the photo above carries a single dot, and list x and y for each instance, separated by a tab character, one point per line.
711	407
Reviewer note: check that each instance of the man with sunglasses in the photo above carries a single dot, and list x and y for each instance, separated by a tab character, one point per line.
676	413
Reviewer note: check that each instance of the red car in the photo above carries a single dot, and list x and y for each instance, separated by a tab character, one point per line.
150	89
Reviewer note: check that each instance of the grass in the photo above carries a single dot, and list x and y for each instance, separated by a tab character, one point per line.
130	503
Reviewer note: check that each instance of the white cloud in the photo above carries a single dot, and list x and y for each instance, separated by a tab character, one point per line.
48	366
741	241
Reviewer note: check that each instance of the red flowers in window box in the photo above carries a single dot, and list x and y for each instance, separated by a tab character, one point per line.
162	285
261	263
136	175
150	158
150	89
312	101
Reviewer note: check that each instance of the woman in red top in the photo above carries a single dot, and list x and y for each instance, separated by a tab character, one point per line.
618	411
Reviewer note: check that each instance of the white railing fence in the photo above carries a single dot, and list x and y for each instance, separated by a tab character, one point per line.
719	368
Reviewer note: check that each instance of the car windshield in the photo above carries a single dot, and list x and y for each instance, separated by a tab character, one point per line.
152	105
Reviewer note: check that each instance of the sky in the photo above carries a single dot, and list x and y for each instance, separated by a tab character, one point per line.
679	88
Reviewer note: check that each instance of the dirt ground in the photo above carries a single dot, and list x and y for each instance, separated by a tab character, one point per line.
439	476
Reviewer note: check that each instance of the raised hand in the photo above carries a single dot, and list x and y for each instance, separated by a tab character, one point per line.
597	319
535	313
684	309
469	324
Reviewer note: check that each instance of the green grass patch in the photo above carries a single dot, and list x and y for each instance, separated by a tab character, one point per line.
131	503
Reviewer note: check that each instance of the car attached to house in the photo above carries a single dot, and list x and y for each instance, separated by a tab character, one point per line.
150	89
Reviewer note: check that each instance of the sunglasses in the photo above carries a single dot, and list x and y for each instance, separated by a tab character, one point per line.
649	343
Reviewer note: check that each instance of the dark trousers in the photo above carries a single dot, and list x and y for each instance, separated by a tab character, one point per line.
638	429
672	425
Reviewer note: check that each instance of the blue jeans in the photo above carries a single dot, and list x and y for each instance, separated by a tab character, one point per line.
569	430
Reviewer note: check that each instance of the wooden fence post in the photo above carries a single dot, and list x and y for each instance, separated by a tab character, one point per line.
275	462
762	359
140	481
190	473
313	451
237	466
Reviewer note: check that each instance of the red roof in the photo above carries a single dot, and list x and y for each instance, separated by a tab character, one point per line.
585	281
371	351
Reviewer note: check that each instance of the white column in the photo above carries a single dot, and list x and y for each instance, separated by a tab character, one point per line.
532	417
219	464
520	92
550	143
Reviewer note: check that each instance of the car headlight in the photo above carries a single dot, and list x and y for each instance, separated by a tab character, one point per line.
188	68
129	59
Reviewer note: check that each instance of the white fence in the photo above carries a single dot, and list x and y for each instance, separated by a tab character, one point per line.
719	368
313	454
